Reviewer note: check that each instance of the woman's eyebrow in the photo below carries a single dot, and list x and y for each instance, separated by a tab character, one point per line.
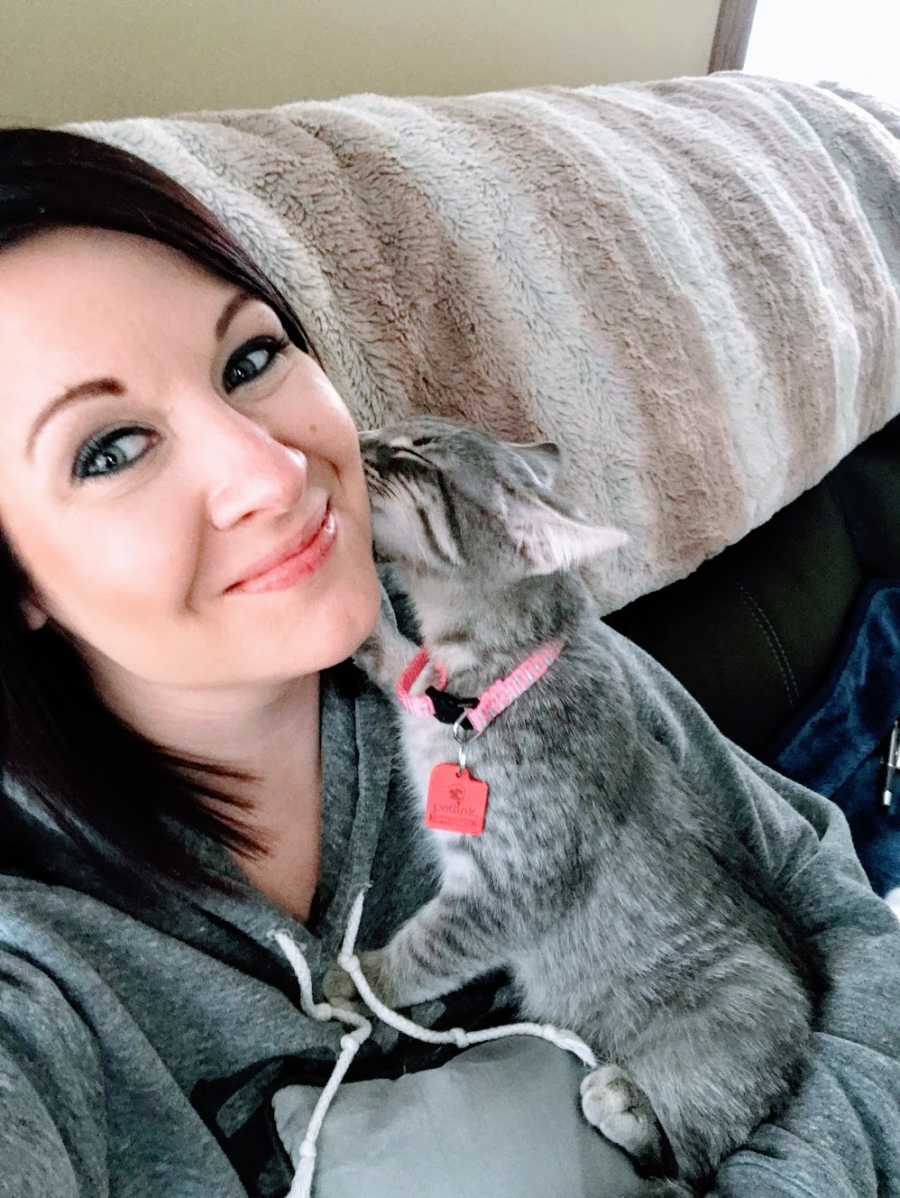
86	390
233	306
111	386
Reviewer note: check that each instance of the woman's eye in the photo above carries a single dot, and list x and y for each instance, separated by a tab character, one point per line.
110	453
111	449
252	360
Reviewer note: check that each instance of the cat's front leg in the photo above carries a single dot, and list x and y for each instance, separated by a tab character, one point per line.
385	654
444	945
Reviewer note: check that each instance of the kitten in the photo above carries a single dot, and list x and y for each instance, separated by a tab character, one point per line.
614	890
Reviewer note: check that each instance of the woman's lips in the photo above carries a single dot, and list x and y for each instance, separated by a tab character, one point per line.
299	565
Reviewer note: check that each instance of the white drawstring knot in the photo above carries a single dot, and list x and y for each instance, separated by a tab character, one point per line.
351	1042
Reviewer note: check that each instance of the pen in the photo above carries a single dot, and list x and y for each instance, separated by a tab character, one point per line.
893	762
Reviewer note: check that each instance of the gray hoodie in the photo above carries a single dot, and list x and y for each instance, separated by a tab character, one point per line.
140	1051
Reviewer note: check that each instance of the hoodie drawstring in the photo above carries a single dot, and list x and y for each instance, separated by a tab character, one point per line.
352	1041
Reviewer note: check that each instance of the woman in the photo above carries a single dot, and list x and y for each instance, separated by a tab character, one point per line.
190	762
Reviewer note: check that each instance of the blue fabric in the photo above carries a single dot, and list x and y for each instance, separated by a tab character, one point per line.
837	744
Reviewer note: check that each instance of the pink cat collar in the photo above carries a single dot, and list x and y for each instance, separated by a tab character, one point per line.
489	704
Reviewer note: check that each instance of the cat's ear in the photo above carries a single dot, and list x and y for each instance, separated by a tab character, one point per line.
550	539
543	459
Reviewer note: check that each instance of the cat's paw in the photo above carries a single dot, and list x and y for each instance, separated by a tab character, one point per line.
340	989
611	1102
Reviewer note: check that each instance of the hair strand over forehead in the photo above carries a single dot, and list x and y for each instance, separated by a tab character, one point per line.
51	178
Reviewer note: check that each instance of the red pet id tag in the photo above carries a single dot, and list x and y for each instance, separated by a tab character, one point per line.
456	801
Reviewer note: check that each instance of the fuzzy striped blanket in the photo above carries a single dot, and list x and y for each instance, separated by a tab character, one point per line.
692	285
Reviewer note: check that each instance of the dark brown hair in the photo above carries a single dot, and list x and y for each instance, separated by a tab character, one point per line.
119	801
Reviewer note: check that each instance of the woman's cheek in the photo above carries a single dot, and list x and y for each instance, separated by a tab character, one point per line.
142	564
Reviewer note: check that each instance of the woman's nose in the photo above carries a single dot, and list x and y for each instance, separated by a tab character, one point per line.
253	472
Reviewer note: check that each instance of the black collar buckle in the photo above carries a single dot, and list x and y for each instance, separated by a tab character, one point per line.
449	708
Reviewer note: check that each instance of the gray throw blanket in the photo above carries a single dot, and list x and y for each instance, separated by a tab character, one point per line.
692	285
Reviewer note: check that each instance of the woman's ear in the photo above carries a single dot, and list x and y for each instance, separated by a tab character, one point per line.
34	614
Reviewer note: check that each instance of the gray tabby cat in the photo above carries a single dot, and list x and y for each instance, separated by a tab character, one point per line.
613	890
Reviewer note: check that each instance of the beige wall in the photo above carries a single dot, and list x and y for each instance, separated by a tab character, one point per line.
80	59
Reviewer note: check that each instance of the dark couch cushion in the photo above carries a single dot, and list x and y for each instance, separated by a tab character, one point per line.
754	631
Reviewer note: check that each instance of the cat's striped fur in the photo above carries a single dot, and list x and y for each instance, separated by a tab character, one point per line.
614	889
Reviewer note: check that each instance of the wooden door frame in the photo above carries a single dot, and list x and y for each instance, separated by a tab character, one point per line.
729	48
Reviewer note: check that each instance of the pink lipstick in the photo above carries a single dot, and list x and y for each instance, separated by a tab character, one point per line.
298	565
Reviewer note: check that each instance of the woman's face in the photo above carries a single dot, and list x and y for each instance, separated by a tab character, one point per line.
212	451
